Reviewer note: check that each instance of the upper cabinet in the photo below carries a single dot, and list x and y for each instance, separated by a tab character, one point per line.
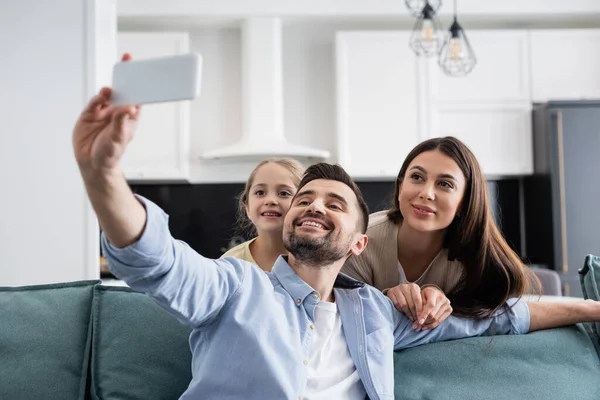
160	148
378	115
500	76
389	100
490	109
565	64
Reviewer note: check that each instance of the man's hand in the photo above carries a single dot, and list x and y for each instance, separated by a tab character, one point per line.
100	137
102	133
427	308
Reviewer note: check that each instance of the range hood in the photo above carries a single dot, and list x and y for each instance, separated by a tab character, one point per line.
262	101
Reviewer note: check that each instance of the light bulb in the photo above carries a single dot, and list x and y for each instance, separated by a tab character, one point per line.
427	31
456	49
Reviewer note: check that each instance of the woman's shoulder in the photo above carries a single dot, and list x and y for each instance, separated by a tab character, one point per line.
241	251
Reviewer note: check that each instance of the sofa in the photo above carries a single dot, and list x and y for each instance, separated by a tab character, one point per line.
83	340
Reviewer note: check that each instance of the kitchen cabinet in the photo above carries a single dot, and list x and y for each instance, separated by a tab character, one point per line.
500	76
389	100
499	135
378	114
565	64
160	148
490	109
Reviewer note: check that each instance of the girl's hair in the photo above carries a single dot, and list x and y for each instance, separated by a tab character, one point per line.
493	271
245	227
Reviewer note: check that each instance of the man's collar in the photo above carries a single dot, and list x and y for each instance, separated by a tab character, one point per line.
299	289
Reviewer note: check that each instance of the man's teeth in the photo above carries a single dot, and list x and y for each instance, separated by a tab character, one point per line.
312	223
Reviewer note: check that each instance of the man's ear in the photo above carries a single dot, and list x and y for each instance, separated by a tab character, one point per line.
360	243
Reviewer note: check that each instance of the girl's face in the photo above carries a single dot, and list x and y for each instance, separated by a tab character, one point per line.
269	197
431	192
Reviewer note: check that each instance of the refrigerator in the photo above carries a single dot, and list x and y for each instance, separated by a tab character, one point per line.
562	197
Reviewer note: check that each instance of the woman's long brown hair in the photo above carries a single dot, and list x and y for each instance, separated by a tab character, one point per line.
493	271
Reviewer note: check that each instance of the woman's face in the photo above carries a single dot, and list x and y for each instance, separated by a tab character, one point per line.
270	197
431	193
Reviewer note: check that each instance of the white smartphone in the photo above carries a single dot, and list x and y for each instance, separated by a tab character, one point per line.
157	80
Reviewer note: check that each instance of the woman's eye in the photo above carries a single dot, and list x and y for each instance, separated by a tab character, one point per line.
447	185
416	177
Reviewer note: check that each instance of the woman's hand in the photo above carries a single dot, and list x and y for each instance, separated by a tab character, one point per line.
426	308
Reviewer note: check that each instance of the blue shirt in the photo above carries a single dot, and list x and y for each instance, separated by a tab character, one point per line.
252	331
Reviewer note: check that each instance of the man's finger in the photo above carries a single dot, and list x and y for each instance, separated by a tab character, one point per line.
102	98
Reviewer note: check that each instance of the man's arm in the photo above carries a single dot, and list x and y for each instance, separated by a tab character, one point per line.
136	239
553	315
192	287
511	319
514	318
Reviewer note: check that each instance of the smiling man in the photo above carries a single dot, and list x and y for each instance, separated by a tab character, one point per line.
301	331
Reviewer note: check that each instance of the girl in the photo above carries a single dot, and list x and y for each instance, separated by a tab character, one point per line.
439	242
262	207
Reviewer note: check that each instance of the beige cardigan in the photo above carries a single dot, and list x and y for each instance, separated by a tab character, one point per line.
378	264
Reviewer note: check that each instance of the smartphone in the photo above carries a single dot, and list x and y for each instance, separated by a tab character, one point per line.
157	80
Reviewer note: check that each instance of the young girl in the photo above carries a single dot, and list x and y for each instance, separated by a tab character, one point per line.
262	207
440	236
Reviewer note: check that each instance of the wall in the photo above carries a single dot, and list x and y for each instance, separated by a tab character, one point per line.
46	231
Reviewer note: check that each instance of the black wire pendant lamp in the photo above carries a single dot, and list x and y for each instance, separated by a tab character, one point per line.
416	6
457	57
427	36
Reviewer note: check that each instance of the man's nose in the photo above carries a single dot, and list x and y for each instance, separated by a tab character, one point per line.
317	206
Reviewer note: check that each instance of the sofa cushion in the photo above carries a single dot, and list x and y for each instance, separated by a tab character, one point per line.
139	351
553	364
44	340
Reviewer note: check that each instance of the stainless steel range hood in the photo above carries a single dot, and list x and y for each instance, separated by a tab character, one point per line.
262	102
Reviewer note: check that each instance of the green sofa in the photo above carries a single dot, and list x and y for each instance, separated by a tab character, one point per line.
82	340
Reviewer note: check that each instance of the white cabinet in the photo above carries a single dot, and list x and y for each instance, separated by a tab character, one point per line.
160	148
389	100
499	136
490	109
500	76
565	64
378	114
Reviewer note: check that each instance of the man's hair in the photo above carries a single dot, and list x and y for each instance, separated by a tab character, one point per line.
336	173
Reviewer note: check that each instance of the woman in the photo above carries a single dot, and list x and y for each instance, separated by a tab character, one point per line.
440	236
262	207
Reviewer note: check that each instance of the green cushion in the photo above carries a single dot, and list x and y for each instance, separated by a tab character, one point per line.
44	340
553	364
139	351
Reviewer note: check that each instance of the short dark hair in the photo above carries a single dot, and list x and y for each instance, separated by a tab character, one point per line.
334	172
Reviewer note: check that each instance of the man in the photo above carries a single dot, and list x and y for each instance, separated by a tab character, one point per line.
301	331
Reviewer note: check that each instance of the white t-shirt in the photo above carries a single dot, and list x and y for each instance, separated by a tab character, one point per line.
331	370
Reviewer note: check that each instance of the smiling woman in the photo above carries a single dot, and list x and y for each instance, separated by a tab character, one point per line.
262	207
440	234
